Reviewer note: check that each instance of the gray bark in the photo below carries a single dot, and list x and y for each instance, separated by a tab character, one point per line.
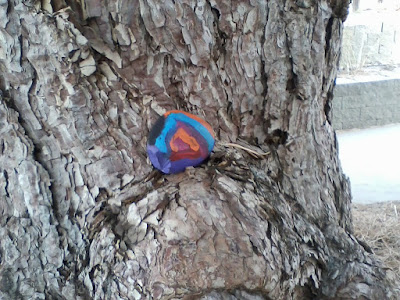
83	214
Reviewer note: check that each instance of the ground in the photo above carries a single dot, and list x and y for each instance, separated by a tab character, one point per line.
378	225
370	159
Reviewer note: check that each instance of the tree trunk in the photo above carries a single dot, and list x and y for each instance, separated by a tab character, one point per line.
83	214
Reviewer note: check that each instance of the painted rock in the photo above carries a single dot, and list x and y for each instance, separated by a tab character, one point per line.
178	140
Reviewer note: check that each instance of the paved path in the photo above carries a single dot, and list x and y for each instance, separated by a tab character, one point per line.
371	159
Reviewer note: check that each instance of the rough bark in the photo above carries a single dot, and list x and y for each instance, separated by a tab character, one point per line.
83	214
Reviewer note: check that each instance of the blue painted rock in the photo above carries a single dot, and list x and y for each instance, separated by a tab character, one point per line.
179	140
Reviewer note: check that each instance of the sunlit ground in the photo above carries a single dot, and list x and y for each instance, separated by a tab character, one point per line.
371	159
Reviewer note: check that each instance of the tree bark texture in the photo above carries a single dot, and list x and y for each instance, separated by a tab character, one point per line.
83	214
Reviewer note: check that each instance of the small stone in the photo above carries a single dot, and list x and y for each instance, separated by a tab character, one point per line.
179	140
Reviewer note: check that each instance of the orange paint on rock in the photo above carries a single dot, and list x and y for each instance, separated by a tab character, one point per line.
186	138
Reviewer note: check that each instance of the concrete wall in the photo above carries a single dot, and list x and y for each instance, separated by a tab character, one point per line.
370	45
366	104
370	38
368	90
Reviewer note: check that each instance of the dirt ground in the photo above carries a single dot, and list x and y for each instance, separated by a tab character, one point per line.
378	225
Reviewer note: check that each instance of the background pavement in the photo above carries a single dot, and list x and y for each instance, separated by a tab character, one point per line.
371	159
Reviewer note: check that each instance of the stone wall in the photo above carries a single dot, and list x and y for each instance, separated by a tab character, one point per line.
366	104
368	88
376	44
371	38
